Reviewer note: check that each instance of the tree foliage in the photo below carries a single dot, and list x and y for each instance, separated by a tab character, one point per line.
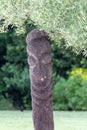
60	18
64	19
14	13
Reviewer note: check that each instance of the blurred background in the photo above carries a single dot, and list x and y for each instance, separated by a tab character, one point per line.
69	69
69	74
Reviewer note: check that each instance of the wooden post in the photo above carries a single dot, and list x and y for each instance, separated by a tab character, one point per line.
39	59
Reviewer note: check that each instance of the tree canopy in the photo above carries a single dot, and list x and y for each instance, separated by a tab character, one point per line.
61	19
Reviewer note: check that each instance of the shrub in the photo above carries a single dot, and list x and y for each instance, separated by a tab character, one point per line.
70	94
5	104
60	101
17	85
79	72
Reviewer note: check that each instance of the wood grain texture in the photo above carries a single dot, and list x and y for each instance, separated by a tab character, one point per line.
39	59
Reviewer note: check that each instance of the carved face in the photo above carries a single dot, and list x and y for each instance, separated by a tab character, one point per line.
38	48
40	61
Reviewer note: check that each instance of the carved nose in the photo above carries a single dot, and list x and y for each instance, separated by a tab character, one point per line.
41	74
39	68
39	71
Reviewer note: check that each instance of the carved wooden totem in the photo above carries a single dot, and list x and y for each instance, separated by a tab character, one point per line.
39	52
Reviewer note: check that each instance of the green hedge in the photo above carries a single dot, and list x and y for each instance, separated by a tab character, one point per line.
70	94
5	104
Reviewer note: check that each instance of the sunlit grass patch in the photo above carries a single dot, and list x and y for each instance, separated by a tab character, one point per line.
17	120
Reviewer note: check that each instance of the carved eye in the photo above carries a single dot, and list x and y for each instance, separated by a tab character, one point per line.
46	59
32	61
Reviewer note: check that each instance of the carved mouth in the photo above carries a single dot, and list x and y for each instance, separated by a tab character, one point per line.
40	83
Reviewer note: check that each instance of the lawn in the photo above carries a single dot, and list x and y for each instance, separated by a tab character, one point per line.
17	120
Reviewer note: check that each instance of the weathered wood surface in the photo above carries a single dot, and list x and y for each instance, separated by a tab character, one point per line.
39	59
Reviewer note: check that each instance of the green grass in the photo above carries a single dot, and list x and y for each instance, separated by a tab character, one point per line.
16	120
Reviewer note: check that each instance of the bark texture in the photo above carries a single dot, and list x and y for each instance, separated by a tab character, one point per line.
39	59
